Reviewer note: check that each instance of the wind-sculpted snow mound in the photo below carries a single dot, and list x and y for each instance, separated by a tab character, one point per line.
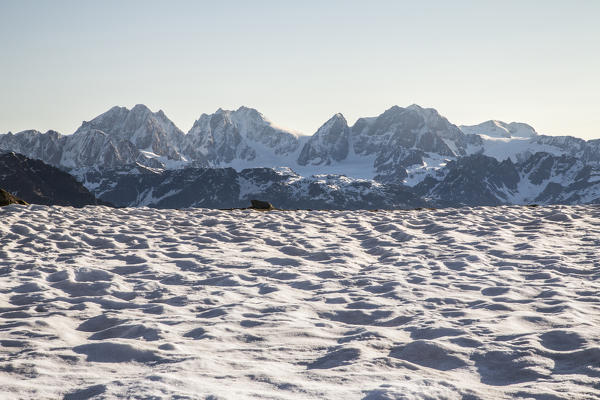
139	303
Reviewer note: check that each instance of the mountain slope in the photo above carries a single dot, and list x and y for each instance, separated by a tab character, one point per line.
543	178
472	180
39	183
226	188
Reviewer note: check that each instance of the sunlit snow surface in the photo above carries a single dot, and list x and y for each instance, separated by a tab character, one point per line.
140	303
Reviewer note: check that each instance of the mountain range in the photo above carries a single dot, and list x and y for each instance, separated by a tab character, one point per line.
404	157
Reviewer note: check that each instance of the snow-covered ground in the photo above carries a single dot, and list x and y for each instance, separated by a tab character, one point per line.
166	304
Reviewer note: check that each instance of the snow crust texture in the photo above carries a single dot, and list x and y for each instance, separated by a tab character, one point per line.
471	303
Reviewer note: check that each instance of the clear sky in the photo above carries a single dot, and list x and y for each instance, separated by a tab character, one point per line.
299	62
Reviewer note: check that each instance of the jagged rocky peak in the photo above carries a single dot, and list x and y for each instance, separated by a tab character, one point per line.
146	130
401	137
243	134
436	123
32	135
95	148
243	117
248	113
413	127
499	129
34	144
330	143
255	126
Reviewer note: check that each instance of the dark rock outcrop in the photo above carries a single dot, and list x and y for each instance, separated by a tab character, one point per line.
39	183
543	178
475	180
6	198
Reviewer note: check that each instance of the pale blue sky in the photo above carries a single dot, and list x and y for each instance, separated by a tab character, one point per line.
300	62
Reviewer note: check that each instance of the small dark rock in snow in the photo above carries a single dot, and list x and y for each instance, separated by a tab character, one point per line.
7	198
261	205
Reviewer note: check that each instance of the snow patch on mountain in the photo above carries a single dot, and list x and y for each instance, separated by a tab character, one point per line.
499	129
433	165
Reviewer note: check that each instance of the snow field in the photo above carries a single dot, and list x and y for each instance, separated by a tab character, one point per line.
457	303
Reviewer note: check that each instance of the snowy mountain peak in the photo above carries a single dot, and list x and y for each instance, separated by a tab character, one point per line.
123	136
241	116
115	109
140	108
250	112
402	145
122	122
338	116
499	129
399	129
243	137
414	107
520	129
330	143
42	146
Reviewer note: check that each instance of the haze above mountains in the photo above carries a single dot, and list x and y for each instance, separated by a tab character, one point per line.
372	163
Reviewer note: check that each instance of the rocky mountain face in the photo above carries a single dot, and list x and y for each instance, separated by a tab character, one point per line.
407	128
473	180
36	145
587	151
39	183
227	188
405	156
478	180
329	144
398	138
120	137
390	145
113	139
242	135
146	130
